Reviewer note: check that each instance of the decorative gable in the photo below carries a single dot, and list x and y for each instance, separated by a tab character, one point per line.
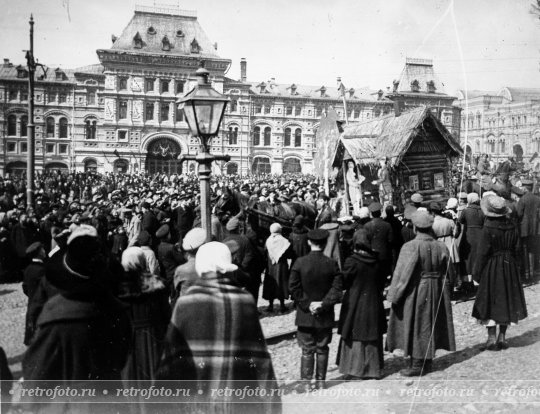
431	88
415	86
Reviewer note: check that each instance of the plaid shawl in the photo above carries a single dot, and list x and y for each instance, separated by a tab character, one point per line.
215	341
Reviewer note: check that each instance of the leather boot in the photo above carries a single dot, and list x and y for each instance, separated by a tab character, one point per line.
306	373
491	343
417	368
320	375
501	339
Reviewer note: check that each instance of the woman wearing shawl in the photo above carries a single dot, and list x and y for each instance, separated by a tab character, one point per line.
215	342
276	279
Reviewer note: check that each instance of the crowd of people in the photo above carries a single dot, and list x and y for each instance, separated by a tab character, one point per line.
123	285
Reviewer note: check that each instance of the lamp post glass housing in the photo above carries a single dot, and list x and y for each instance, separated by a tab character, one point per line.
203	108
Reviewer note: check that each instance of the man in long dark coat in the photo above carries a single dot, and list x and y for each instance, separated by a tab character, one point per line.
316	285
83	333
33	274
419	321
528	209
382	238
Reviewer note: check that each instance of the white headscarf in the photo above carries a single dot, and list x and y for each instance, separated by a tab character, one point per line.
214	257
133	259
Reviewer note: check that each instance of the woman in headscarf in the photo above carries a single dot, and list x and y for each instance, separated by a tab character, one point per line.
276	278
215	341
362	321
147	304
500	299
298	237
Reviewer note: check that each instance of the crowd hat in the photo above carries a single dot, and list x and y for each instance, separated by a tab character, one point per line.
494	206
298	221
422	219
275	228
417	198
194	239
452	203
473	198
409	211
233	224
363	212
373	207
144	238
361	240
318	235
33	250
163	231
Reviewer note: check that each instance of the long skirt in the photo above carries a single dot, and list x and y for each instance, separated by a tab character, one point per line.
362	359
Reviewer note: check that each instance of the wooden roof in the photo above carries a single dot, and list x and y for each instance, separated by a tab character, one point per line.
388	136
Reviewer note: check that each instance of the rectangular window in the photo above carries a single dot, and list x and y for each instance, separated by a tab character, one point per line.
179	86
24	95
62	149
122	135
297	110
62	98
288	110
24	147
12	94
149	85
257	109
149	111
164	112
91	99
267	109
11	147
122	110
122	83
179	114
164	85
49	148
51	96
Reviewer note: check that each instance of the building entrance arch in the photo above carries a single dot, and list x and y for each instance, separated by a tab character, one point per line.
162	156
518	152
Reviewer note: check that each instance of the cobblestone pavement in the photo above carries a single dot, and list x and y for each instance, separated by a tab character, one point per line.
466	381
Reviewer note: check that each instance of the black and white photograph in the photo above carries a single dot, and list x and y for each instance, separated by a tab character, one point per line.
280	207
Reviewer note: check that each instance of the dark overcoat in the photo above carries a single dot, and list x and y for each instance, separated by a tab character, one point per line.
420	319
276	277
298	239
33	274
528	214
472	220
83	335
500	293
362	316
315	278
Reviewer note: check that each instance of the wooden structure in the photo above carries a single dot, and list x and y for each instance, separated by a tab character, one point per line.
419	148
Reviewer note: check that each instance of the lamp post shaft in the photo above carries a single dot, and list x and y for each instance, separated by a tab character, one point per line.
31	128
205	168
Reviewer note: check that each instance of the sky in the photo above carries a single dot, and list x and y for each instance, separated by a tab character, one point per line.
474	44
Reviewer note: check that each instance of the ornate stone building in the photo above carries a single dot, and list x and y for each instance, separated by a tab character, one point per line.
501	124
120	114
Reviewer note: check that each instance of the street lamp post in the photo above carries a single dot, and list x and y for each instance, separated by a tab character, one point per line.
31	127
203	108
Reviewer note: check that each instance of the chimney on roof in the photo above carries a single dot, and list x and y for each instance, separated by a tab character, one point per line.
243	70
398	106
6	61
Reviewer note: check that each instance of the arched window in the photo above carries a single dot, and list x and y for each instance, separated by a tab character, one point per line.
257	136
503	146
50	127
232	168
477	147
267	135
93	129
292	166
12	125
298	137
261	165
88	130
63	128
287	138
24	126
233	135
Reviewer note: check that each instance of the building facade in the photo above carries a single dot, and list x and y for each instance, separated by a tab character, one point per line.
121	115
501	124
